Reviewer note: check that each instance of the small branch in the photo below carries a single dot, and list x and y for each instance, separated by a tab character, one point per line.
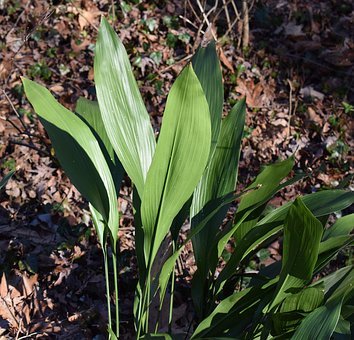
194	12
186	20
14	109
290	106
43	152
227	15
177	62
246	25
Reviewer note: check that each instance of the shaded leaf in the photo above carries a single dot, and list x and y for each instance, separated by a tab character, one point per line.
77	148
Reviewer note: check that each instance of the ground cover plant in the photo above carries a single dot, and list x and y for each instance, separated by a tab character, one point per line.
191	172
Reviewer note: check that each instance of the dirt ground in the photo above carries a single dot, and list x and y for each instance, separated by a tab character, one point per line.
295	68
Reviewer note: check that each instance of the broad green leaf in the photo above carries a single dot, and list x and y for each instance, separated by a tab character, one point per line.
323	202
220	177
292	309
90	112
321	323
267	184
91	115
302	236
235	310
78	152
207	67
123	112
333	280
329	248
210	210
343	226
6	179
268	180
179	161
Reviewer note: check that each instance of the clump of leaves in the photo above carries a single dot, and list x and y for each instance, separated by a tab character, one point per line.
191	173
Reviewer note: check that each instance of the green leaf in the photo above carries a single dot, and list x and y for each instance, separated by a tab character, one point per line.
91	115
234	311
269	180
221	174
302	236
90	112
292	309
206	66
77	149
321	323
179	161
333	280
158	336
330	248
219	178
6	178
323	202
343	226
123	112
211	209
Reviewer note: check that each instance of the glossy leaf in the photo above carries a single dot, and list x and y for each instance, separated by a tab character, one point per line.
330	248
219	178
123	112
77	148
179	161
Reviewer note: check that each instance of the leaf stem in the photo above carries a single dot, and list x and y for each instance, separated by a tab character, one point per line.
115	273
106	274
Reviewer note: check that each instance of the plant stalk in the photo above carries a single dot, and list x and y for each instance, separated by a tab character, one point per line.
106	274
115	273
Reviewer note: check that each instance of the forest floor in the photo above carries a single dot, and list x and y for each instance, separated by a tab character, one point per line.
296	73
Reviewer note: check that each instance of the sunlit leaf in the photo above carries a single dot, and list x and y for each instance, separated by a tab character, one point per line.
123	112
179	161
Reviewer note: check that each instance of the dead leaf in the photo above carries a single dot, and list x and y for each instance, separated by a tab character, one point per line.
291	29
89	17
252	92
309	91
225	61
3	286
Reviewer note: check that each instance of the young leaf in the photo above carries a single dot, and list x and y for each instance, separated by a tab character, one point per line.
90	112
179	161
292	309
123	112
